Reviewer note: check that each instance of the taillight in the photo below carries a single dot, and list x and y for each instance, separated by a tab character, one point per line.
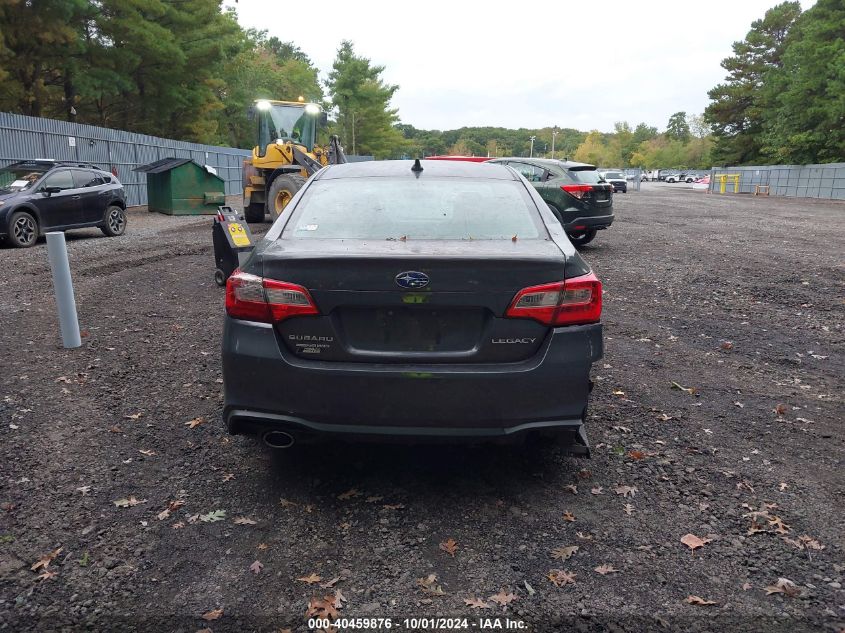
571	302
579	191
254	298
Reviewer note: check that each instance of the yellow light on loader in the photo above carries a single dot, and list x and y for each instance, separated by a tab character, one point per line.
262	105
312	108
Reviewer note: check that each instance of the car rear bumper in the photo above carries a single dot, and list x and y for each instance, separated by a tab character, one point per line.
267	388
589	222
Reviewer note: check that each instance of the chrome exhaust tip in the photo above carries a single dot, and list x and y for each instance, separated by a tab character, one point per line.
278	439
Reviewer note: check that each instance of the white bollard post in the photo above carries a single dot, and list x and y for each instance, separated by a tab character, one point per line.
63	287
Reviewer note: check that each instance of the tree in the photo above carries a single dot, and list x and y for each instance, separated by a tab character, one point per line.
678	128
805	118
362	100
597	151
738	105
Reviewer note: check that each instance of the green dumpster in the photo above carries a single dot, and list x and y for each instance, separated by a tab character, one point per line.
179	186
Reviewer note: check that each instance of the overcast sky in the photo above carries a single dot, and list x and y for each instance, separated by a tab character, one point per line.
525	64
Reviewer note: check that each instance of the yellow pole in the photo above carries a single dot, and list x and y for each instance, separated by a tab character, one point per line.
736	183
723	179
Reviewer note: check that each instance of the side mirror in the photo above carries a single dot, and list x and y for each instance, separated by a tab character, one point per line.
324	119
52	190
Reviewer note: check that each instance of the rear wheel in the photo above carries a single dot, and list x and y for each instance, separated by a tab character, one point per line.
254	212
556	211
584	237
114	223
23	229
282	191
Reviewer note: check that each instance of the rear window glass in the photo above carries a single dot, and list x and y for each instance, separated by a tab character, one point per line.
614	174
420	209
589	176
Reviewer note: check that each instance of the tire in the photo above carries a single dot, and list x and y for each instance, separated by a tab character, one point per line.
114	222
585	237
281	191
219	277
23	229
254	213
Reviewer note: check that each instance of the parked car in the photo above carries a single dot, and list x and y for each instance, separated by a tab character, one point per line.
681	177
388	301
576	194
616	179
37	196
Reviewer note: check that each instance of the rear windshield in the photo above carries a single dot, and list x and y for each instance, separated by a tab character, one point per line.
614	174
420	209
590	176
20	177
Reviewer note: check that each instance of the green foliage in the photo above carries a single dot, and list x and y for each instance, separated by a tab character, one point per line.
739	105
805	119
362	99
678	128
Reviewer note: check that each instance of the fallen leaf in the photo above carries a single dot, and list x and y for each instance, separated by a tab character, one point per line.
622	429
689	390
311	578
244	521
699	601
502	599
637	455
133	416
322	608
584	536
256	567
514	238
429	585
215	614
561	577
84	490
618	392
374	499
195	422
780	409
287	504
128	503
339	599
727	345
746	586
693	542
780	526
349	494
476	603
571	488
784	586
564	553
262	546
629	509
598	490
164	514
147	452
45	560
450	546
330	583
213	517
783	486
529	588
47	575
606	569
664	418
228	476
568	516
393	506
178	526
625	491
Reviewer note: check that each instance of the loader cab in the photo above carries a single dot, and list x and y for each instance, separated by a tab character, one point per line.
287	122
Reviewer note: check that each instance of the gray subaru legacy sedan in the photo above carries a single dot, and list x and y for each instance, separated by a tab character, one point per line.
412	299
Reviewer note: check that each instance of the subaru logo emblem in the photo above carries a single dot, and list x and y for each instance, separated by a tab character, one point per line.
412	280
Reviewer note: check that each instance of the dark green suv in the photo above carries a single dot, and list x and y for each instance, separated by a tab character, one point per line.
576	194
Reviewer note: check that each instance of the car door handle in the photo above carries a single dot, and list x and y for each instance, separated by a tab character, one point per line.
75	197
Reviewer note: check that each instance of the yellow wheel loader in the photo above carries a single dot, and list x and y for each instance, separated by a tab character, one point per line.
285	156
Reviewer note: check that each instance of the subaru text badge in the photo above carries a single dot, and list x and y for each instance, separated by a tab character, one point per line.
412	280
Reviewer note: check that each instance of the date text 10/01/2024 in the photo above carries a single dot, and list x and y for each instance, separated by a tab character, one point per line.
418	624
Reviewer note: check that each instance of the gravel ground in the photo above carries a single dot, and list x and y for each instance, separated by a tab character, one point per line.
717	412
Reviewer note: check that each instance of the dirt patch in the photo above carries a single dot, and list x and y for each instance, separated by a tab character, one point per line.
736	298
